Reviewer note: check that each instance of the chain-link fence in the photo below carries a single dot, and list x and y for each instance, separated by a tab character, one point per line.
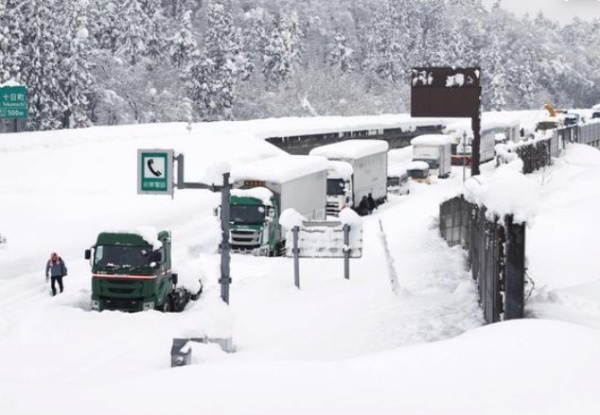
496	255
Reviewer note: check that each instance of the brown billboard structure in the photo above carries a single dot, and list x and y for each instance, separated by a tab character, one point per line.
449	92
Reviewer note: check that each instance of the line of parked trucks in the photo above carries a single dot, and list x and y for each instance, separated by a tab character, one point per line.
351	173
132	272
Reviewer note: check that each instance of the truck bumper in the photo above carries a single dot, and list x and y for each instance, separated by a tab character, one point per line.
122	304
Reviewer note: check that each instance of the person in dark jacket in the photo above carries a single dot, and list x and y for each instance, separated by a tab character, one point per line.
371	205
363	207
56	270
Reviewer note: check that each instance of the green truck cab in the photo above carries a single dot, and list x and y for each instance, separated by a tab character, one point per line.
254	221
130	273
263	189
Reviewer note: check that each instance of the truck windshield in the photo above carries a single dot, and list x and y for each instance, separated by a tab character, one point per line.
546	125
335	187
418	174
393	181
122	256
433	164
247	214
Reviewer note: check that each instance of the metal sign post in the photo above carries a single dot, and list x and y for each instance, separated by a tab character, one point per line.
324	239
346	251
225	189
155	176
464	147
225	279
296	252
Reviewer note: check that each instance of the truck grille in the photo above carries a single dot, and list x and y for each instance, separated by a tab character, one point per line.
333	209
134	304
245	239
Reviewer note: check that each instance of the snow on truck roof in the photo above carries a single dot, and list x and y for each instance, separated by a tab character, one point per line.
279	169
260	193
417	165
351	149
431	140
339	170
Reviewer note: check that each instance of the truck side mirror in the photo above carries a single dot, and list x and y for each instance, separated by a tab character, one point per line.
88	254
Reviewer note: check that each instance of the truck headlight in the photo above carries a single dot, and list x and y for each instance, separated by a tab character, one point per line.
95	305
149	305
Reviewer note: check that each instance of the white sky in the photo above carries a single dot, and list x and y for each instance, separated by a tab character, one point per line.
560	10
336	346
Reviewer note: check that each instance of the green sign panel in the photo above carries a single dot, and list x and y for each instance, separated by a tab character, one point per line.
13	102
155	172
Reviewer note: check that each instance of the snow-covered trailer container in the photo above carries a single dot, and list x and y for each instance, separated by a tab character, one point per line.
263	189
435	150
368	160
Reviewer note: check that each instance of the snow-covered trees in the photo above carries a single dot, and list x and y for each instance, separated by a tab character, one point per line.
283	50
340	55
183	45
74	78
44	47
211	79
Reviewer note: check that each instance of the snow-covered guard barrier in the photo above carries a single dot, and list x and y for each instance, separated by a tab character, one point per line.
538	152
325	239
588	133
322	239
496	255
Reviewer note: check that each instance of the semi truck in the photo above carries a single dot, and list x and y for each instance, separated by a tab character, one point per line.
263	189
435	150
365	174
397	181
132	271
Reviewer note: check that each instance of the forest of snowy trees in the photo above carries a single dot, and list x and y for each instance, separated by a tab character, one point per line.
106	62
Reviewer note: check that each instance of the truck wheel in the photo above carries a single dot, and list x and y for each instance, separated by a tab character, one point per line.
166	308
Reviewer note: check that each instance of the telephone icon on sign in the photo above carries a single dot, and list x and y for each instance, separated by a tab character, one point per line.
150	163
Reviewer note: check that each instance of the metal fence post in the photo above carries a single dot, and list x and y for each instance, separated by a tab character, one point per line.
515	270
296	252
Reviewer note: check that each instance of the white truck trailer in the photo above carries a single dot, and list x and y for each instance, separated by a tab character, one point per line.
435	150
263	189
365	173
491	132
